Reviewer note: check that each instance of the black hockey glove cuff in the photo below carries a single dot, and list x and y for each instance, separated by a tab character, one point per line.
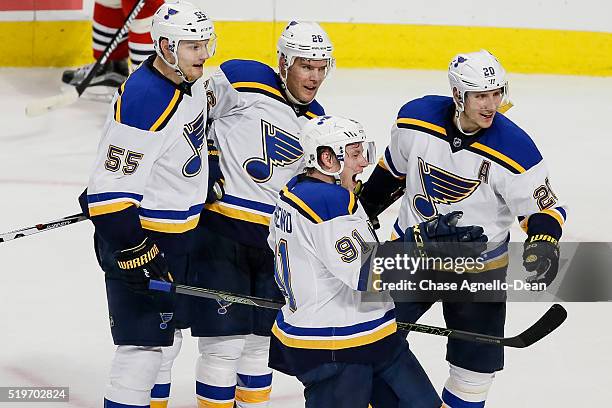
215	175
440	237
541	255
141	264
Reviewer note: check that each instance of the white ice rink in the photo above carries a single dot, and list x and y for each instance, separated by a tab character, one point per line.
52	304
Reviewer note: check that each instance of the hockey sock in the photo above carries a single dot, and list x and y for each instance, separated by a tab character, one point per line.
216	370
139	38
466	389
160	394
107	19
132	376
254	375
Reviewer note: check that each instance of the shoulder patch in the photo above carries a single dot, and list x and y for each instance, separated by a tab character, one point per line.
508	145
319	201
146	101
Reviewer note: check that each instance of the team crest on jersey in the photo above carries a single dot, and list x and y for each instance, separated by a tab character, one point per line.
440	187
280	148
193	132
165	318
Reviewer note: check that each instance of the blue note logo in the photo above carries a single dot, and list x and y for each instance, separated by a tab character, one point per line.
165	318
280	148
440	187
171	12
458	61
193	132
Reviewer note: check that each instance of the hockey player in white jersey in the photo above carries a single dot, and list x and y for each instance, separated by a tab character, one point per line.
255	114
330	334
145	195
461	154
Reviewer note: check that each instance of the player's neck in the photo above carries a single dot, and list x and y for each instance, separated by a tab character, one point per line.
465	125
323	177
167	71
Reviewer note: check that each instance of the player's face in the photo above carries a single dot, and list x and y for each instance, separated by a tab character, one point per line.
479	109
304	77
192	55
354	163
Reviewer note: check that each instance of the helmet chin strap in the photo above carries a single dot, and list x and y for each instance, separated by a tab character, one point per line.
458	112
174	66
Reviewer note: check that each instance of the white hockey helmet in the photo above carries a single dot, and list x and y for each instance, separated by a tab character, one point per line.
336	133
476	72
301	39
177	21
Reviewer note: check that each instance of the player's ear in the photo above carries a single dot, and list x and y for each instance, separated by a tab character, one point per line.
457	96
325	159
164	45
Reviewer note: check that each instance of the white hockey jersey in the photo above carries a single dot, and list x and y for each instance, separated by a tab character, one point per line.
150	153
318	234
255	129
493	177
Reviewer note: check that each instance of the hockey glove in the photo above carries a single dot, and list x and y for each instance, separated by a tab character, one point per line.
373	210
141	264
541	255
440	237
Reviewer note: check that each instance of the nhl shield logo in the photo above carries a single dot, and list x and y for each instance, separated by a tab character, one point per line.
165	318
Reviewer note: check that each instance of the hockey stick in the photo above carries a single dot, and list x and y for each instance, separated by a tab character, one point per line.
71	219
71	95
546	324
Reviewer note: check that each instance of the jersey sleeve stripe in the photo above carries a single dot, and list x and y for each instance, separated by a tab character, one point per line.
352	205
250	204
300	205
556	214
397	232
171	228
420	124
311	115
167	113
99	197
171	214
257	85
390	166
109	208
235	213
499	156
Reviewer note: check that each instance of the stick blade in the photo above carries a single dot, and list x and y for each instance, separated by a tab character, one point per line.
549	322
42	106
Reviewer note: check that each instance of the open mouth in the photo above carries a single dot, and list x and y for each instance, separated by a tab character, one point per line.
487	116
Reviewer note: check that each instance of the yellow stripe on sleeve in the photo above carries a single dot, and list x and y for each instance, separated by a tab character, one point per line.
109	208
417	122
242	215
499	155
172	228
555	214
257	85
302	205
167	111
